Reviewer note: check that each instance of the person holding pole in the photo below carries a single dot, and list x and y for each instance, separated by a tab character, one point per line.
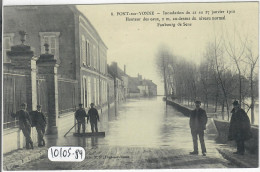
80	115
93	117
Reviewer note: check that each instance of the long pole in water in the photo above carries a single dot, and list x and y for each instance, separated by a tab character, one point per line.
70	129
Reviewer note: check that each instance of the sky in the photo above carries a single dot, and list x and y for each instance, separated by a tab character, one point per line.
135	44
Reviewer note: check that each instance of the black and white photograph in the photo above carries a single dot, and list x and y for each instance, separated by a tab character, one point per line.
128	86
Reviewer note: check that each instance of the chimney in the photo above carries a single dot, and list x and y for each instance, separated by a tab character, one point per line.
125	69
139	77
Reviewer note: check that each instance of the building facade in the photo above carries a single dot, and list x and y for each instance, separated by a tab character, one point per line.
120	82
60	61
139	87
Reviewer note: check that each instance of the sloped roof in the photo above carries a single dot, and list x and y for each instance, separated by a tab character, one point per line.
150	83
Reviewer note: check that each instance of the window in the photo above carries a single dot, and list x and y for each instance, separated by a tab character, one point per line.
91	59
7	43
88	52
97	58
94	57
105	91
89	91
85	93
101	63
95	91
83	50
51	38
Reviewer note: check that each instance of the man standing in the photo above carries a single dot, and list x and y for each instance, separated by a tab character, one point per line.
24	124
80	117
239	129
198	121
93	115
40	123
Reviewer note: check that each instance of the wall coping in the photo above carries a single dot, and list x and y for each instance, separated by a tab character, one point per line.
10	130
252	126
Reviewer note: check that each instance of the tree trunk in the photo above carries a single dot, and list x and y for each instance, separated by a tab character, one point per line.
216	103
165	84
252	98
227	107
223	105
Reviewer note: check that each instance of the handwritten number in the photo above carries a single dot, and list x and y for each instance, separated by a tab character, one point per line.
69	152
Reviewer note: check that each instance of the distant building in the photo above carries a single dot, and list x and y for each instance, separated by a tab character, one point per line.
120	82
139	87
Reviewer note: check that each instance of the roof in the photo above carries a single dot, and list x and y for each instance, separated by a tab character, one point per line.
75	9
150	83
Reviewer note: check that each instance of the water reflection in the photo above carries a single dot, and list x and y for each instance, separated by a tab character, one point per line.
138	122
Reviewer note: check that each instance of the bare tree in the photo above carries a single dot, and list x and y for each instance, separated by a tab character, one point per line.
162	59
216	53
236	49
252	60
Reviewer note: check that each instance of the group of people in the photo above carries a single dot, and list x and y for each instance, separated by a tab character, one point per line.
91	116
38	120
239	129
28	120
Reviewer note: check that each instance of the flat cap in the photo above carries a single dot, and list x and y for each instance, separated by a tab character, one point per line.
235	103
23	104
197	102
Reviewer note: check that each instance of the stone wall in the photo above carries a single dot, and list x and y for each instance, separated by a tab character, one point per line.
222	128
14	139
186	111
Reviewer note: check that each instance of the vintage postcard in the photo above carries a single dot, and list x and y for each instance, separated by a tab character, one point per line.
152	85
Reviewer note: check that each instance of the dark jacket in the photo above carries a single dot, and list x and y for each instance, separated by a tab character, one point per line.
38	119
198	119
80	115
239	128
93	115
24	118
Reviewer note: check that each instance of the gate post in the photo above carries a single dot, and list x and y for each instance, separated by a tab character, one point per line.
47	65
23	62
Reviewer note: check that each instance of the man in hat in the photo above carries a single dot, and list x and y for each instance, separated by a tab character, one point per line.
198	121
239	129
39	120
80	117
94	117
24	124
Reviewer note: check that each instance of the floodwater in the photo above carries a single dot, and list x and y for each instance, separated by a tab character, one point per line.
136	123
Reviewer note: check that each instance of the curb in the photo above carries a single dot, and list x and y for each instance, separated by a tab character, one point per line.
20	162
240	163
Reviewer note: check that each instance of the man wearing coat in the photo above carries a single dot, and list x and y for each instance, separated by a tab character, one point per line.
80	117
239	129
25	123
39	120
94	117
198	121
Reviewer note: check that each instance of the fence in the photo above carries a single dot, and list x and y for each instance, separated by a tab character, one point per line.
14	93
67	95
42	94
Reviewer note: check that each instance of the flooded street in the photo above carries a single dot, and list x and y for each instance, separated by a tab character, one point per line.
146	131
137	123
